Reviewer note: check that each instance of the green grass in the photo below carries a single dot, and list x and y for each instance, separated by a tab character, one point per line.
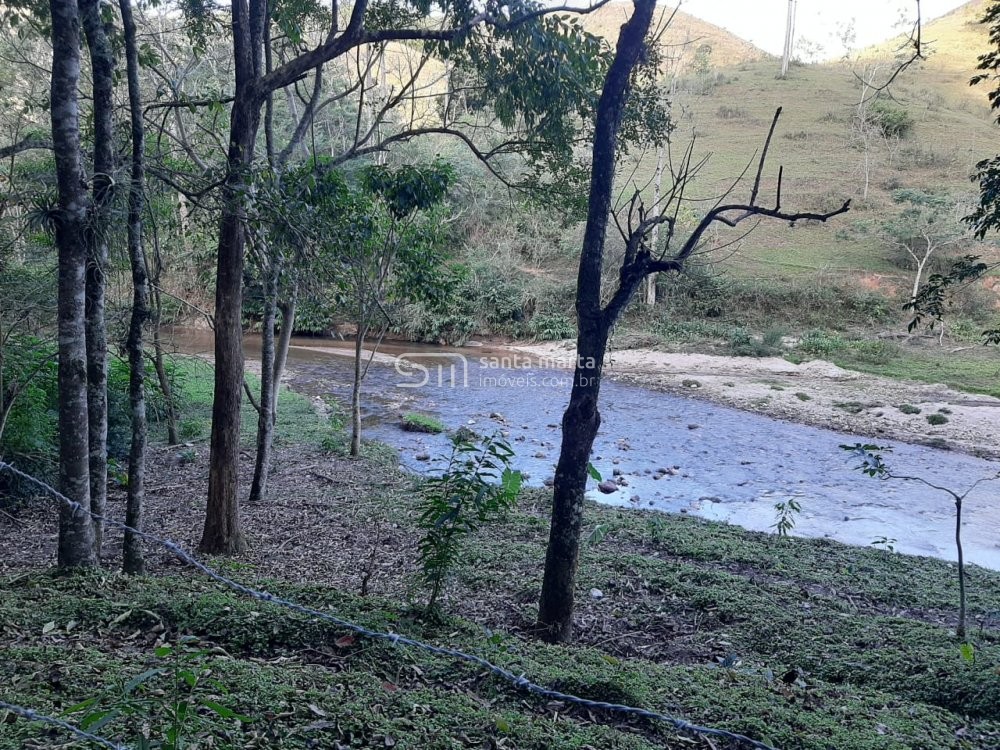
975	370
195	387
802	643
413	422
860	671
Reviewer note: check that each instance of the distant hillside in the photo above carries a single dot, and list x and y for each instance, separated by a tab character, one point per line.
728	109
952	44
682	39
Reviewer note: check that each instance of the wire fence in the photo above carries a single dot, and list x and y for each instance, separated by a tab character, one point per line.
519	681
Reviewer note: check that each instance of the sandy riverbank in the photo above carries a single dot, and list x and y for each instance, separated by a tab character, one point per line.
815	392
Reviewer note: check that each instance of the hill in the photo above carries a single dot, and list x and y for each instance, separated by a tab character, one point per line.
682	39
726	107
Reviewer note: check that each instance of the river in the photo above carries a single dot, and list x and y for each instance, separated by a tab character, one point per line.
672	453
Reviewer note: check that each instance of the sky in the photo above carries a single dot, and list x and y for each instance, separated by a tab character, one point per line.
818	22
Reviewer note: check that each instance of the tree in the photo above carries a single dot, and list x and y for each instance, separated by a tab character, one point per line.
76	532
102	74
926	226
654	236
400	261
875	126
132	548
932	297
483	36
595	320
874	465
786	54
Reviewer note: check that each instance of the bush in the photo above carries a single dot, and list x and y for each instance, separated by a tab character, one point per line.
30	437
936	419
909	409
477	484
744	344
552	327
767	302
822	343
890	118
726	112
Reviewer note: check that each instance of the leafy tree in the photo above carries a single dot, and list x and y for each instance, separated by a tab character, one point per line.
538	69
400	260
927	225
932	298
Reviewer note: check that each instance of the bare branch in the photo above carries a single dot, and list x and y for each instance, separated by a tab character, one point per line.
28	143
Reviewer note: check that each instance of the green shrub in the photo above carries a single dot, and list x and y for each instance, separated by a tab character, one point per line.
822	343
193	428
767	303
478	483
744	344
909	409
29	438
552	327
936	419
890	118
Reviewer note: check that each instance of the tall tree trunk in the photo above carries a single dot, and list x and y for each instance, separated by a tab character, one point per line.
359	343
580	424
132	547
76	531
102	65
582	419
287	308
265	419
155	271
655	234
786	55
223	533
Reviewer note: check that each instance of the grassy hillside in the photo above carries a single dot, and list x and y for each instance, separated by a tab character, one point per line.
728	112
725	102
805	644
681	38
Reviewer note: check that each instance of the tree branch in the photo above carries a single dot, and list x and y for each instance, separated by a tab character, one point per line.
28	143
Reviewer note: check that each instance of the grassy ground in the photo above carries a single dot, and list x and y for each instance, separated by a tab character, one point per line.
802	643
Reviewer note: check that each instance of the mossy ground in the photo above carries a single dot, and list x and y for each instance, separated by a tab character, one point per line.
800	643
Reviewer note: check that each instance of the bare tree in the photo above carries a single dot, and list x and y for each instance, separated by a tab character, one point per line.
654	237
868	132
595	320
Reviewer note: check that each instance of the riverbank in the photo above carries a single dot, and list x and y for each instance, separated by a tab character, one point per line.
814	392
801	643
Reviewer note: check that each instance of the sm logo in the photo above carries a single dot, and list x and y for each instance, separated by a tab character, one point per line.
419	369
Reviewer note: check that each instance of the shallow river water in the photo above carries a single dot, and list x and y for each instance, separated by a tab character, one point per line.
724	464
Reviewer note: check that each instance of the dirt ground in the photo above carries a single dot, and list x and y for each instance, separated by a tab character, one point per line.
818	393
